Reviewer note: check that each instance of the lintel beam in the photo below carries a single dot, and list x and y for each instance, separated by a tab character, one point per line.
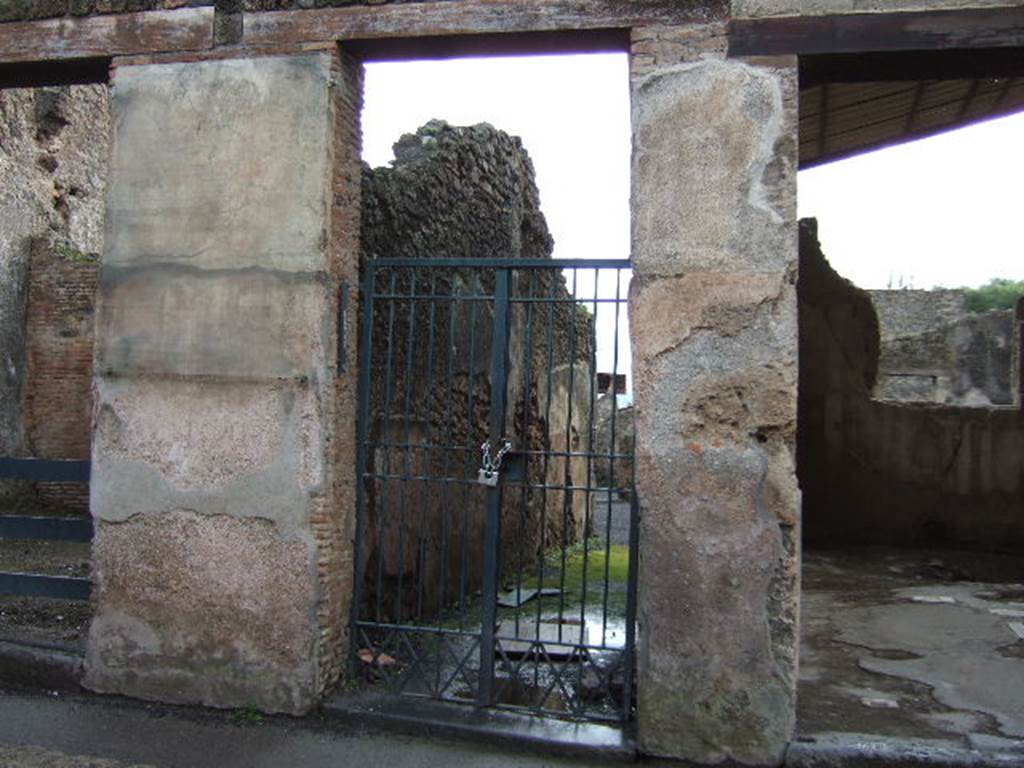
99	37
443	18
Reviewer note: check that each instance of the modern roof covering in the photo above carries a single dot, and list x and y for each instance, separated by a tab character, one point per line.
840	119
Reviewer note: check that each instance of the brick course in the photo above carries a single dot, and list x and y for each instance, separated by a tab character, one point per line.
58	397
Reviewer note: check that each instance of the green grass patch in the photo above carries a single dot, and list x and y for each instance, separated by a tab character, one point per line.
589	562
581	560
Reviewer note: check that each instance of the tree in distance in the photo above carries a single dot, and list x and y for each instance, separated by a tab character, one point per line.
997	293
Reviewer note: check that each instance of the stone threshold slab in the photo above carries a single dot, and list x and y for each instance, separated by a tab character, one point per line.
423	717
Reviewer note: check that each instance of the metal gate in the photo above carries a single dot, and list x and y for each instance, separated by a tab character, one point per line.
496	538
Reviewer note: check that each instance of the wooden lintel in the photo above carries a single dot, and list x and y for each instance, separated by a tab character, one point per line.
869	32
185	29
443	18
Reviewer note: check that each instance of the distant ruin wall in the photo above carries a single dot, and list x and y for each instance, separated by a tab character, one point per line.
54	144
934	351
887	473
465	193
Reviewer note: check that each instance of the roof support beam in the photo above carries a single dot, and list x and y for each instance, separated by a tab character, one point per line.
927	30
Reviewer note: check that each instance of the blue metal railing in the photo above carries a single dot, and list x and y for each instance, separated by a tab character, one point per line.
74	529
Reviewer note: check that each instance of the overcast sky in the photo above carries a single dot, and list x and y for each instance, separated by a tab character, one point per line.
572	113
940	212
944	211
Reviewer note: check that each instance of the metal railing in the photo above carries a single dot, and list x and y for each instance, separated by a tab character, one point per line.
73	529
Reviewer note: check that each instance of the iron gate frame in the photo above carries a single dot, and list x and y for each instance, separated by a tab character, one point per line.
487	644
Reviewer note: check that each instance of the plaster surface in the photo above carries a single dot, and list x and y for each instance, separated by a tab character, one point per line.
213	479
714	327
205	151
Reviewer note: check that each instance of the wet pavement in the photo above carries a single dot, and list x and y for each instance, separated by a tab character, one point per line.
906	656
916	645
41	731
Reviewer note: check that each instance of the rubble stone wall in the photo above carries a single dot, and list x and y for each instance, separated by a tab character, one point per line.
891	473
465	192
934	351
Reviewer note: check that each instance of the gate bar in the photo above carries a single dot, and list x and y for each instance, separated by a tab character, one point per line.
49	528
492	530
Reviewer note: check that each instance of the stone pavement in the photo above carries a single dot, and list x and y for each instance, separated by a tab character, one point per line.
914	646
70	731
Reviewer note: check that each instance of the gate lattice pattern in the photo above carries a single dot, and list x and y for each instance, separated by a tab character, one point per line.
521	593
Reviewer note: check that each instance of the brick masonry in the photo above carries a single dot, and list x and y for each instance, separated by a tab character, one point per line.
58	382
333	523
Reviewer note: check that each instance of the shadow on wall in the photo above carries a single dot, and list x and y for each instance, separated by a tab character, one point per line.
889	473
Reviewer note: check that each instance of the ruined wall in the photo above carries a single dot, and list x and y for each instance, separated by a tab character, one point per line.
54	144
874	472
453	192
614	435
934	351
464	193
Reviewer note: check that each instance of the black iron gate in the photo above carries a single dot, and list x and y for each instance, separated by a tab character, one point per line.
496	539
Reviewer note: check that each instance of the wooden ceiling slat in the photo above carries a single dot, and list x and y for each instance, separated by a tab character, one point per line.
860	117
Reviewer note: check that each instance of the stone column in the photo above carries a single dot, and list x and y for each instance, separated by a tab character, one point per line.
714	318
224	433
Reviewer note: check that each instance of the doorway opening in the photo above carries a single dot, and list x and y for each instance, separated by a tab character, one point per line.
496	547
910	426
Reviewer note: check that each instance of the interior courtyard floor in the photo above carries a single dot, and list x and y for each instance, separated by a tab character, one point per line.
922	645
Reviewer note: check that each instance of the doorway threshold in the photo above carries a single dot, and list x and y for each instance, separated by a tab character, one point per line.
427	717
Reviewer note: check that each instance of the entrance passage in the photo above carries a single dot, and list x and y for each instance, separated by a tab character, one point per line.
496	540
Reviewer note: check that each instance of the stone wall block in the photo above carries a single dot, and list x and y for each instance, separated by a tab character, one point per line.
714	330
713	156
247	324
204	151
219	416
241	449
185	601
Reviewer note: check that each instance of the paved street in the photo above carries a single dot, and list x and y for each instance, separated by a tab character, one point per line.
40	731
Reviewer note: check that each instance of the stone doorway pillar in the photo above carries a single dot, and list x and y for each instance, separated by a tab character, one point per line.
714	323
223	449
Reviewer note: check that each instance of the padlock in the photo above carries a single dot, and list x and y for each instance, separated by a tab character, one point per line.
487	477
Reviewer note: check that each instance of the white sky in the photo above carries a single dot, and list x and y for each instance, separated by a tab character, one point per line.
572	113
944	211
